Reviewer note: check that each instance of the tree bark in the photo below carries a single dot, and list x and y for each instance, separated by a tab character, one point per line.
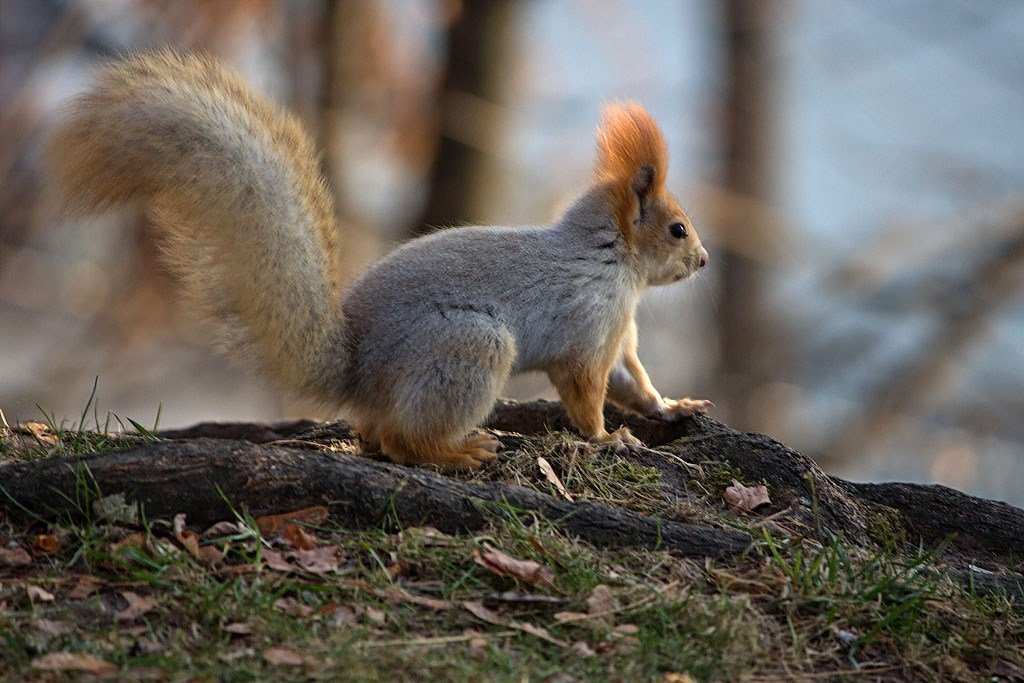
276	468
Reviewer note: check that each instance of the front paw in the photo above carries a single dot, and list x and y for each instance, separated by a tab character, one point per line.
620	440
673	409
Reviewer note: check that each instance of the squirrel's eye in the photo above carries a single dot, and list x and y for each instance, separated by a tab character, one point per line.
677	230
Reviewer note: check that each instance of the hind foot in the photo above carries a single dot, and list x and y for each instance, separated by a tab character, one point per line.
475	450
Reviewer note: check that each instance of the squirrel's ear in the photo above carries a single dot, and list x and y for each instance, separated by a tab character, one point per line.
632	160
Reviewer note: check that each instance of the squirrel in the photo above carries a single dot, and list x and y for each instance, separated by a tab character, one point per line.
418	347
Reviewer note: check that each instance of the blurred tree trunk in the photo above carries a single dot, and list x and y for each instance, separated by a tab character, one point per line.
315	44
746	340
472	65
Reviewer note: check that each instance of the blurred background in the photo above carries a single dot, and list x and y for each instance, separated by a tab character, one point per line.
855	168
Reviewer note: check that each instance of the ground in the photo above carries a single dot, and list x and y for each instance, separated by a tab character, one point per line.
500	585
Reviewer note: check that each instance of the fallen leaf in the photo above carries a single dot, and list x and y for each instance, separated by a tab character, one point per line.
189	540
86	586
46	543
271	525
343	615
148	646
503	564
116	508
52	627
626	644
581	649
745	498
222	529
323	560
480	612
135	541
234	655
375	616
14	557
677	677
40	594
297	537
426	535
626	630
562	617
293	607
601	601
275	560
549	474
137	606
211	555
478	647
282	656
74	661
239	628
396	595
39	431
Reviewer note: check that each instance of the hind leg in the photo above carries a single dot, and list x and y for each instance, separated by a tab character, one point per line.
445	389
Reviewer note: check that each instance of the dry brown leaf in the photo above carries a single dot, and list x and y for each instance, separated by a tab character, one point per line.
503	564
375	616
14	557
282	656
46	543
211	555
549	474
323	560
222	529
41	594
236	654
297	537
53	627
38	430
745	498
601	602
293	607
275	560
677	677
239	628
478	647
480	612
396	595
137	606
133	541
189	540
74	661
343	615
272	525
570	616
116	508
86	586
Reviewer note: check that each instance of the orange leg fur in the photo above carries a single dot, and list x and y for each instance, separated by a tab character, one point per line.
630	387
582	391
467	453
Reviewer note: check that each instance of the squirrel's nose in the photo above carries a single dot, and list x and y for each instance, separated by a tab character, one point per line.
703	257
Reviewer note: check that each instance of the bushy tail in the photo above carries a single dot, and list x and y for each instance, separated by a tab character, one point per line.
248	222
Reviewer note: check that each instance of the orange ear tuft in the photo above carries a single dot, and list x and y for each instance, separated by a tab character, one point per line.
631	157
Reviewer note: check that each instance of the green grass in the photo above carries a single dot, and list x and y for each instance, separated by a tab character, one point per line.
793	607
